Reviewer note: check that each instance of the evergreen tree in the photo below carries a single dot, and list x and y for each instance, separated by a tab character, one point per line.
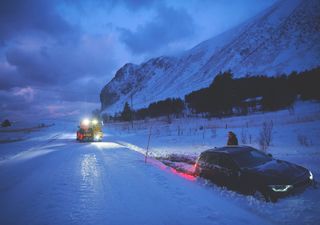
126	113
6	123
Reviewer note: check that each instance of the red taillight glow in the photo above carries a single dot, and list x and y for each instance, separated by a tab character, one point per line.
183	175
172	170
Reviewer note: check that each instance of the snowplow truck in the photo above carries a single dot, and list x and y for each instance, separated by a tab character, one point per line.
90	130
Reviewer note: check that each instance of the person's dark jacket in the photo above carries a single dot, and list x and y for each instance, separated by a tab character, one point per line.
232	140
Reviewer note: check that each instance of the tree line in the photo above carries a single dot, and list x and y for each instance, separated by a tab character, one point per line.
169	106
227	96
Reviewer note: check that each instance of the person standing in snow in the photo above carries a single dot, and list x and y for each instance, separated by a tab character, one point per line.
232	138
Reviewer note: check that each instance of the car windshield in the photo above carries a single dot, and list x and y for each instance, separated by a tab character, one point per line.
250	158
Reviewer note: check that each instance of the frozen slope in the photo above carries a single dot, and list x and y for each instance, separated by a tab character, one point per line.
58	181
283	38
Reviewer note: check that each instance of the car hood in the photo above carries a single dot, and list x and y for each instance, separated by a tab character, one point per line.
279	172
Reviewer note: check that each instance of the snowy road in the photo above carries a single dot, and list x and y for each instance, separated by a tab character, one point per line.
58	181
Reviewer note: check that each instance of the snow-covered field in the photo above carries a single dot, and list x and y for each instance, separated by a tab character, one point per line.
295	138
46	177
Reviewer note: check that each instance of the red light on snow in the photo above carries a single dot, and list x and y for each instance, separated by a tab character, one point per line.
172	170
162	166
183	175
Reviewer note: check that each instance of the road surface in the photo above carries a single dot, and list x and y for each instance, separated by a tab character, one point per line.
59	181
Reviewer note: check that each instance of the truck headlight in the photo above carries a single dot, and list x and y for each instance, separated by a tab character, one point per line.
85	122
310	175
280	188
97	137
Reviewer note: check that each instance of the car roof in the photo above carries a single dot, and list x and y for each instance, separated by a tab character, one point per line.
229	150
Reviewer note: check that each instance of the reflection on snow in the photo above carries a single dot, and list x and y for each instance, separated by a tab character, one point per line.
67	136
106	145
89	170
183	175
105	134
163	167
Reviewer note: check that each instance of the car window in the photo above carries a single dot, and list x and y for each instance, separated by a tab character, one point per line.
202	157
212	158
250	158
226	162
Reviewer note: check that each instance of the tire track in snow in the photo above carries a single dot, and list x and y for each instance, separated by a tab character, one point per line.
75	193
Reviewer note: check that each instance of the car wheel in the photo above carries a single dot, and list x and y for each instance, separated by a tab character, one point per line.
272	198
259	195
264	196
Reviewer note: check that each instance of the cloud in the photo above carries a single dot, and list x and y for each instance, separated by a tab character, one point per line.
170	25
138	4
61	53
35	74
17	103
46	64
27	93
60	111
11	102
44	104
132	5
86	89
9	76
37	16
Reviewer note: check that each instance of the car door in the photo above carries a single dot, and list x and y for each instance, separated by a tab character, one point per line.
214	170
227	171
208	165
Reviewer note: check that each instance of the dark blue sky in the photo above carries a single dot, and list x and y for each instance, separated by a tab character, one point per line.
55	56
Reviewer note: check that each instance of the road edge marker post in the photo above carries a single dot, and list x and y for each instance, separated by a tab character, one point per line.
146	155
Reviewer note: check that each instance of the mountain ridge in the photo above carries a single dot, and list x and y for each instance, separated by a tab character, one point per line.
281	39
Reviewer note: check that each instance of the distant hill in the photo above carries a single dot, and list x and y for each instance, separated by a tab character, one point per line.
281	39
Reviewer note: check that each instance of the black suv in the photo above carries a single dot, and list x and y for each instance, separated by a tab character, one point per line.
253	172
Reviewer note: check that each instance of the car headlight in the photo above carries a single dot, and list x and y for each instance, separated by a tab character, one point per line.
94	122
310	175
280	188
85	122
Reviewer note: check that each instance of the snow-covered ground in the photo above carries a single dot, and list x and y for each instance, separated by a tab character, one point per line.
49	178
295	138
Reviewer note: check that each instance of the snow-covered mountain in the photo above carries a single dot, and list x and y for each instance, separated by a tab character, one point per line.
281	39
